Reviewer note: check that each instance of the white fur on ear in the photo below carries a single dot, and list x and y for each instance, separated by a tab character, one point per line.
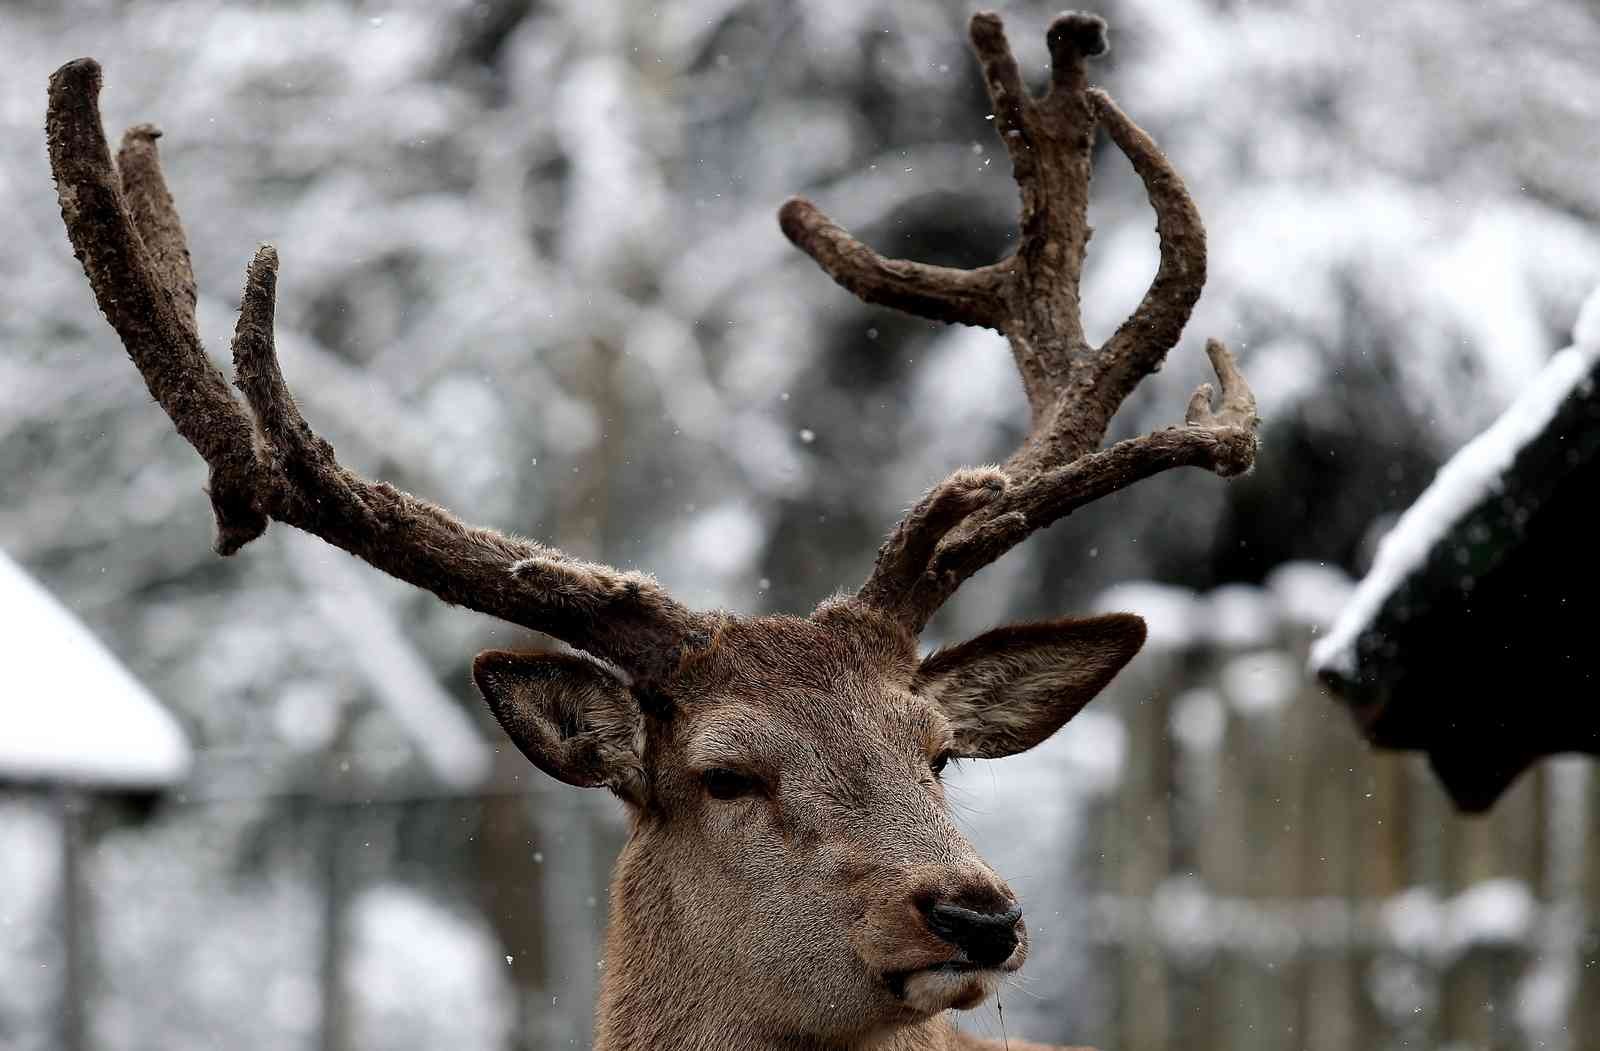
1009	689
571	717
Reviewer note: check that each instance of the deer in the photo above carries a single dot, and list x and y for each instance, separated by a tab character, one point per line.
792	877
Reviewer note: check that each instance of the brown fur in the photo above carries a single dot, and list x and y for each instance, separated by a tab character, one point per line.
791	918
802	914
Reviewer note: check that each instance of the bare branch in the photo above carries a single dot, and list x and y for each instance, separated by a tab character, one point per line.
273	465
970	297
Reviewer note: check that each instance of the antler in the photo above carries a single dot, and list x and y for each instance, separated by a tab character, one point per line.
1073	389
266	462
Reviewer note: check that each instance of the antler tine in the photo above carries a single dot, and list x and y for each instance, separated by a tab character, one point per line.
156	217
1050	142
1073	389
904	556
940	293
157	332
1140	343
266	462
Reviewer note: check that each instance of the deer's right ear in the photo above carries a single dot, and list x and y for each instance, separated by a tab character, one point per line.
576	721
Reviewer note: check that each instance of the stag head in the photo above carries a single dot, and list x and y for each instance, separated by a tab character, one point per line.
785	791
792	864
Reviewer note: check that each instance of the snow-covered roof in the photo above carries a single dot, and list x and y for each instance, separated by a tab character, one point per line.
69	711
1473	476
1475	584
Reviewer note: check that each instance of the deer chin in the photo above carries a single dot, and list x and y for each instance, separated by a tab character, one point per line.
954	984
947	986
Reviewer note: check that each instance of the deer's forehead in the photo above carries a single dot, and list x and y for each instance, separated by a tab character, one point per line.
780	654
819	727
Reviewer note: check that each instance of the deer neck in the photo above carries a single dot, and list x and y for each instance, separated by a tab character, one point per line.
660	989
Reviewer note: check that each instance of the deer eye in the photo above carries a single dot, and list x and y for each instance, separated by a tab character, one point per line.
938	763
728	784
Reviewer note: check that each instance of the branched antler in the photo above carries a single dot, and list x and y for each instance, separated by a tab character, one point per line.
1032	297
266	462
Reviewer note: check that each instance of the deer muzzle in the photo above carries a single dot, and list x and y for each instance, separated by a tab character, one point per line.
941	936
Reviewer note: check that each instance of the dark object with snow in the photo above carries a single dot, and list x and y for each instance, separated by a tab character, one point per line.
1470	637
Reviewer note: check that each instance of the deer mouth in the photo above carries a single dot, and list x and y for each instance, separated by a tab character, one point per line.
958	984
896	980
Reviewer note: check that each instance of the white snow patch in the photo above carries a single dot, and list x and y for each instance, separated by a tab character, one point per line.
1413	920
1237	616
1199	720
306	716
1095	747
1473	473
424	977
1491	912
1586	332
1184	911
401	680
1310	594
1284	373
1495	911
720	541
69	710
1258	683
1172	615
30	943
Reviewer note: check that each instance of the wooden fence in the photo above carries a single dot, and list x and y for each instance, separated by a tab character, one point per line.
1263	880
1220	863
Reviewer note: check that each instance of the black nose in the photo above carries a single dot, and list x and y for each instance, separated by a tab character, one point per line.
988	938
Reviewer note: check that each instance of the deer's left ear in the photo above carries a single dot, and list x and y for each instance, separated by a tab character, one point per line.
575	720
1009	689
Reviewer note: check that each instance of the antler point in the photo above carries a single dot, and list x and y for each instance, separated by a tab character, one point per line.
1078	32
86	69
795	217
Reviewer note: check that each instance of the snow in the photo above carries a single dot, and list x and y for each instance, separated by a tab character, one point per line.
1310	594
1237	616
1094	747
1258	683
70	711
1494	911
189	939
30	947
1490	912
1461	484
1199	720
720	542
424	976
1172	615
1586	333
433	722
1186	915
461	235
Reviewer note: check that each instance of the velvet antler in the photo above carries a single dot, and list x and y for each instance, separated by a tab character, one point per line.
1032	297
266	462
